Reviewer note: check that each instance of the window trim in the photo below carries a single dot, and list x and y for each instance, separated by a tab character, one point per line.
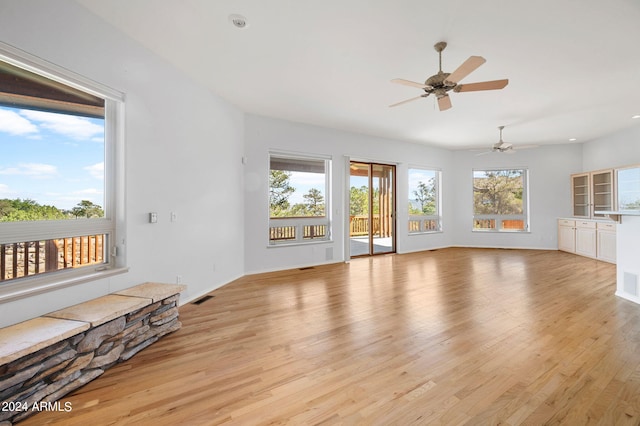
299	223
525	216
113	224
438	216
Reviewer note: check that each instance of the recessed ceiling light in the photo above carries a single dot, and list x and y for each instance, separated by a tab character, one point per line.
572	139
238	21
636	116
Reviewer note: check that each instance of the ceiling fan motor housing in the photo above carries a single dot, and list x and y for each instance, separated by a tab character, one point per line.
438	84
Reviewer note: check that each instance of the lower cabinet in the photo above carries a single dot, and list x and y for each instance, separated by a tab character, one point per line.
567	235
586	238
606	241
589	238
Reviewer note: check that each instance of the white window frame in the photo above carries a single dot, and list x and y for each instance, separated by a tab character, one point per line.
500	217
422	218
113	223
301	222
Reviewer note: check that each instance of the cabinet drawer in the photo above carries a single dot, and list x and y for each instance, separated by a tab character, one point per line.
566	222
585	224
606	226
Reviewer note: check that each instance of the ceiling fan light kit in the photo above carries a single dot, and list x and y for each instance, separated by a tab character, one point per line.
441	83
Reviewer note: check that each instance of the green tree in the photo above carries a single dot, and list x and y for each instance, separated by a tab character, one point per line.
315	202
426	197
359	201
86	208
279	192
498	192
313	205
19	210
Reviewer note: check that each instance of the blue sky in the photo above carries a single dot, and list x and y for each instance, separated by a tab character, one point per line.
54	159
303	182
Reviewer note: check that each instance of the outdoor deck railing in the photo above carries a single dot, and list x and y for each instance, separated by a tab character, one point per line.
359	225
18	260
297	229
419	223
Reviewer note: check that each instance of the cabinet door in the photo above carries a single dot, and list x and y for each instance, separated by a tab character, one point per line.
607	246
580	189
586	241
567	238
602	190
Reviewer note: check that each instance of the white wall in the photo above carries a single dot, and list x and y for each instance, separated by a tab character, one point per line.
619	149
549	194
264	134
183	154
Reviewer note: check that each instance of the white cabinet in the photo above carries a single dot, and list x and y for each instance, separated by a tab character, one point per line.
591	192
567	235
591	238
606	237
586	238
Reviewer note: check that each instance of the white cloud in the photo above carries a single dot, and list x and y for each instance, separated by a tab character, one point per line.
96	170
5	192
68	125
88	191
14	124
36	170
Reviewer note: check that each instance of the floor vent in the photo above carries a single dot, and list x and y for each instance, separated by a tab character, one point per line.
202	300
631	283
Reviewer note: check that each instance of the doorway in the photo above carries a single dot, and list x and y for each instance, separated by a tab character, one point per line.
371	209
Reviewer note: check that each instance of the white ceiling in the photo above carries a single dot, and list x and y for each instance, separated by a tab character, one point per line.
573	65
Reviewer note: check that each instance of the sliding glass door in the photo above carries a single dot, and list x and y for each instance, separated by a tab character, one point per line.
371	208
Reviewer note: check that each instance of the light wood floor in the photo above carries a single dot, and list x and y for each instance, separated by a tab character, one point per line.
453	336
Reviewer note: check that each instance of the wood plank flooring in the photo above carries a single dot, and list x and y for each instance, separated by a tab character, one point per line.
452	336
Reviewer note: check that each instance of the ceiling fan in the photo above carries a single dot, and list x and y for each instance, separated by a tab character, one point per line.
442	82
502	146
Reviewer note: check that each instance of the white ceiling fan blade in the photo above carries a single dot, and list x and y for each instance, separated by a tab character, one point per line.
466	68
444	102
408	100
483	85
485	153
410	83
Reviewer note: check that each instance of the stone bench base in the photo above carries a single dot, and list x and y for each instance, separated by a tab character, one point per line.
45	358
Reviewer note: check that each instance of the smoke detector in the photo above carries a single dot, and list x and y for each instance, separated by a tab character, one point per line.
238	21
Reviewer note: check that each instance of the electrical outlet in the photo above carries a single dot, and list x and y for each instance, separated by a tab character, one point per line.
174	217
178	279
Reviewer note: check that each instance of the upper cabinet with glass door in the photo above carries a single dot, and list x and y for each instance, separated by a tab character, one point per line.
591	192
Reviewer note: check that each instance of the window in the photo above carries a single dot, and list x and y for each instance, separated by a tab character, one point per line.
298	199
424	201
500	200
59	196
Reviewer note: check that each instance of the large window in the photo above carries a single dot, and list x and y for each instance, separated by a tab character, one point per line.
500	200
424	201
59	137
298	199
